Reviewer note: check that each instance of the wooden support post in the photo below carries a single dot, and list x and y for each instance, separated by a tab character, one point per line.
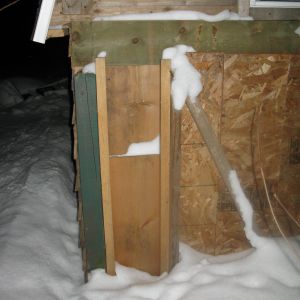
104	162
165	168
243	8
212	142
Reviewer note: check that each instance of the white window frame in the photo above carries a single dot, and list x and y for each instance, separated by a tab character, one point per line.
43	21
278	4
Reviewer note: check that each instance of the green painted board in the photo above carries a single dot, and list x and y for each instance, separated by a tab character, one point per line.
142	42
90	178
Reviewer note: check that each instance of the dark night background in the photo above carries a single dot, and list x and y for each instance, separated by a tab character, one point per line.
22	57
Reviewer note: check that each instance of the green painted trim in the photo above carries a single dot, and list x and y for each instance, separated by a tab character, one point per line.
142	42
90	181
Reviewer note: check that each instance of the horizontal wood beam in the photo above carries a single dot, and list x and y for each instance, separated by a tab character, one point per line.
142	42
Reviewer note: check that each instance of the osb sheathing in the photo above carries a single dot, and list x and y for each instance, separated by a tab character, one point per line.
253	103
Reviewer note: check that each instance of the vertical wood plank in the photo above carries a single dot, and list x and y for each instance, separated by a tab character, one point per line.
165	193
212	142
104	161
88	165
243	7
175	167
135	192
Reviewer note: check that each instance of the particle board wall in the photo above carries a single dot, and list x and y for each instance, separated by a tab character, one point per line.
253	104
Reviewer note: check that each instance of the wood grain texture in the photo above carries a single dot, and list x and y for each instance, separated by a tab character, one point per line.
90	181
165	166
199	237
62	14
211	68
136	211
230	236
133	97
254	97
175	157
198	205
197	167
104	161
142	43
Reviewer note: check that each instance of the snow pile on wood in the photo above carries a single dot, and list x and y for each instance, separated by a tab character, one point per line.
91	67
297	31
175	15
186	79
143	148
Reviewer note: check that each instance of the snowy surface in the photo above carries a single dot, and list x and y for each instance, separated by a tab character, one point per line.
265	274
175	15
297	31
39	255
245	209
9	94
143	148
186	80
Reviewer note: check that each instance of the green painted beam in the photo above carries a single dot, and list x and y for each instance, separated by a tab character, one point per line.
142	42
90	181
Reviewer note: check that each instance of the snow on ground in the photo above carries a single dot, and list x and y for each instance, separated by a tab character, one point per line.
39	256
264	274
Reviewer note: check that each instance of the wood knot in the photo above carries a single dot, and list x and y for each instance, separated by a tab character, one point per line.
182	30
135	40
75	36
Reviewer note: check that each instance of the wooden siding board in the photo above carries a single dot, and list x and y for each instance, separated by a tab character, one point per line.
135	194
88	155
133	105
142	42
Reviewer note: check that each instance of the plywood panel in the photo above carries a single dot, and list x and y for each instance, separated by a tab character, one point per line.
230	236
197	168
254	97
198	205
199	237
133	94
136	210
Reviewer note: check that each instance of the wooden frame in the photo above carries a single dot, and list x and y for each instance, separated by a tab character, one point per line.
165	164
104	162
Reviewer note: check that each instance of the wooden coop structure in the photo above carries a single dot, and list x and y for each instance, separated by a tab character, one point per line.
135	209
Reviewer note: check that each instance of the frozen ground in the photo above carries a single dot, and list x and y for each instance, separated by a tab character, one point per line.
39	257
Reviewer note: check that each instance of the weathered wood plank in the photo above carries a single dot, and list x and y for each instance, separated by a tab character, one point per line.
142	42
133	105
104	159
175	159
88	155
136	211
165	165
261	13
76	7
106	8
